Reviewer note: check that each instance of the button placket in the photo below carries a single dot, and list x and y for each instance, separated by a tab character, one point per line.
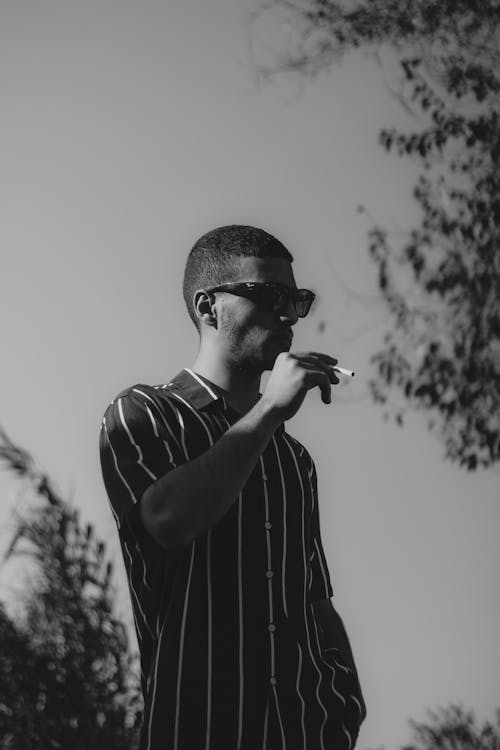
269	574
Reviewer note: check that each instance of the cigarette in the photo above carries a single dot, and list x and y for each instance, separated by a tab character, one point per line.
343	371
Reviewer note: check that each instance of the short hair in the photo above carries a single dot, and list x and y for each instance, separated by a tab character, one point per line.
213	259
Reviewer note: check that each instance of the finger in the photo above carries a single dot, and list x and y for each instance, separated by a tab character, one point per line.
327	357
333	377
318	377
326	389
315	365
323	354
317	355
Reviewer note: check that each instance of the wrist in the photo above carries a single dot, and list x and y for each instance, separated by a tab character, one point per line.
267	414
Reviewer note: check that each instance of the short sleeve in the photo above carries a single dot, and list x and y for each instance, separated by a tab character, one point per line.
139	442
320	586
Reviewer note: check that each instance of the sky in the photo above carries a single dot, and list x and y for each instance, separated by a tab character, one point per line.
128	130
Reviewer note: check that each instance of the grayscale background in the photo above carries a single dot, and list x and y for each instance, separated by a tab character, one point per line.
127	131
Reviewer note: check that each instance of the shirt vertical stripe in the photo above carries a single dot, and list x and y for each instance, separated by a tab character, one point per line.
209	630
181	651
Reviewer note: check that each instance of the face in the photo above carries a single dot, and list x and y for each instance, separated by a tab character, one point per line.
248	336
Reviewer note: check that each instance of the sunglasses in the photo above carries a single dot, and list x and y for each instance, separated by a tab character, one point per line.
270	294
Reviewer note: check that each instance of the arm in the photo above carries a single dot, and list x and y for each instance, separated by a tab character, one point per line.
332	634
187	501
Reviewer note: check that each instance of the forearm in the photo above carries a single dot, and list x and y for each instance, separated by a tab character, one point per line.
187	501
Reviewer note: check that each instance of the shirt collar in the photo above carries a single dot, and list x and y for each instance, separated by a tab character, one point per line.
199	391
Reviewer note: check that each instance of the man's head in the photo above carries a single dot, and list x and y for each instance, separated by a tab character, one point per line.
241	326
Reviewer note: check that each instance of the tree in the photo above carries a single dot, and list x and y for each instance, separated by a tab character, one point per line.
442	283
67	676
453	728
18	691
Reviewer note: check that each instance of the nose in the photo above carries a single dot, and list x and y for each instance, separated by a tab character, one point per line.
289	313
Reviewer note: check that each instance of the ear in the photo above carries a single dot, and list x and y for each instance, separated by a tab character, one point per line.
204	306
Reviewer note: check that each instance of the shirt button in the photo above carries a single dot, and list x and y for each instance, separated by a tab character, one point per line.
271	628
268	525
273	680
269	574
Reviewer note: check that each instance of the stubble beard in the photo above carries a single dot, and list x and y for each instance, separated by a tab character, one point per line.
239	353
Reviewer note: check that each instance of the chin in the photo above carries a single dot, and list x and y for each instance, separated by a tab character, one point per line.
282	344
269	361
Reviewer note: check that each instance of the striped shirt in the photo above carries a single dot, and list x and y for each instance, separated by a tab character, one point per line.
225	625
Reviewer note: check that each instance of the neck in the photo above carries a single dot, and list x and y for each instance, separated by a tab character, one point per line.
240	388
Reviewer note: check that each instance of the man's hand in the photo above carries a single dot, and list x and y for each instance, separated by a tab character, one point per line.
293	375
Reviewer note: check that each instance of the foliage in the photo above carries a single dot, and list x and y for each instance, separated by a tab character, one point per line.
67	677
442	286
453	728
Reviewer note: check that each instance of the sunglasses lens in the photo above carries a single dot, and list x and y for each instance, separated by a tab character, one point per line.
303	300
303	303
276	298
300	307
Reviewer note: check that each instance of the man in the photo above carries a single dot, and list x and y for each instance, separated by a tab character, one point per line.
217	511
